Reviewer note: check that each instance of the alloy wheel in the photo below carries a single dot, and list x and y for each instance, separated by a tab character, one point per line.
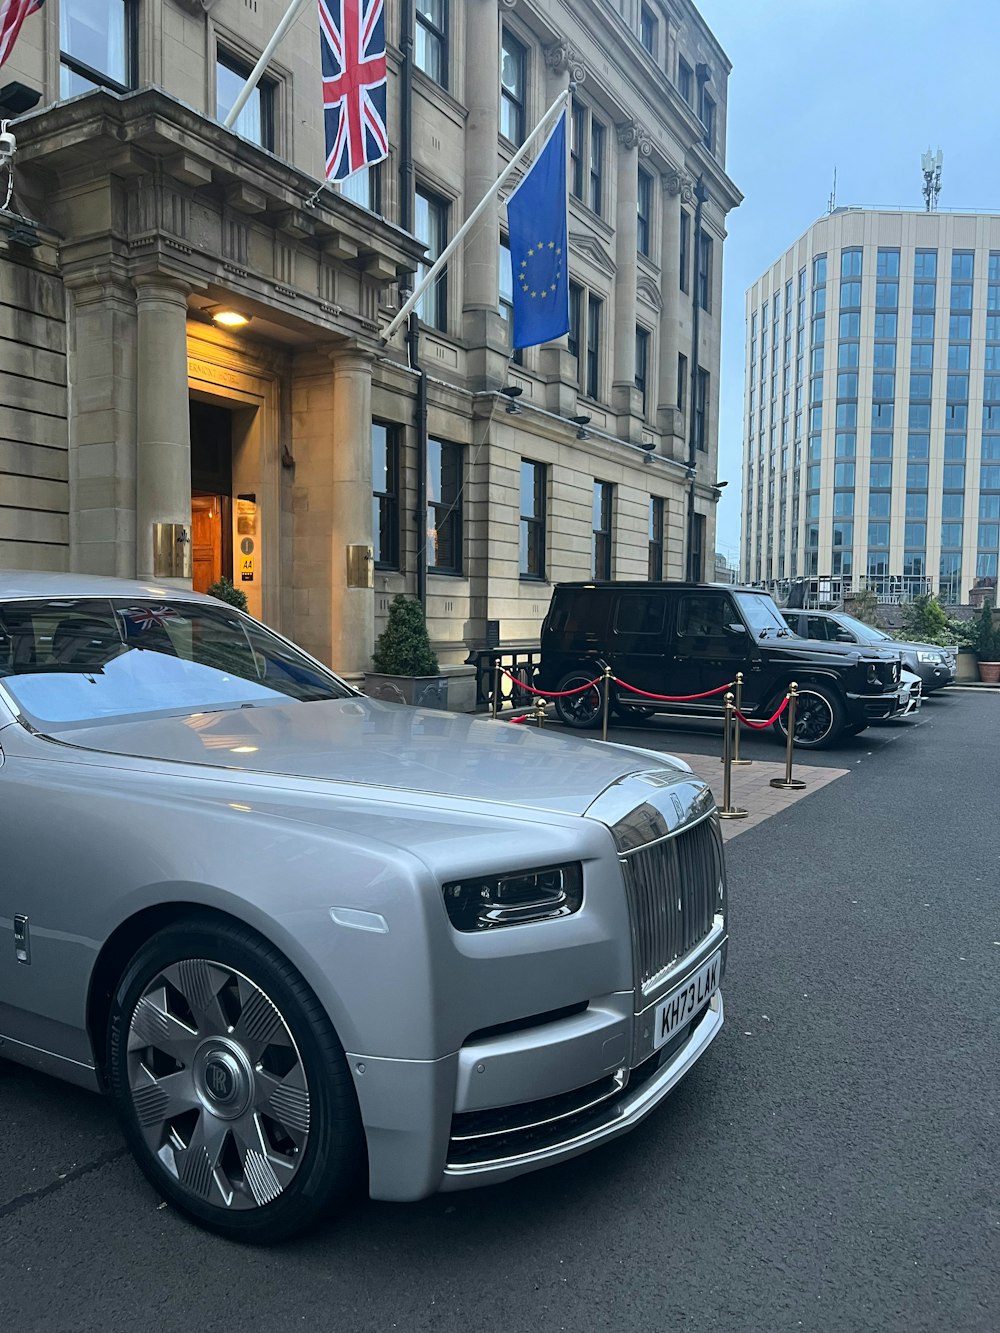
813	719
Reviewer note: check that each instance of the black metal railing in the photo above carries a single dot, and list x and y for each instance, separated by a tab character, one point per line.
520	660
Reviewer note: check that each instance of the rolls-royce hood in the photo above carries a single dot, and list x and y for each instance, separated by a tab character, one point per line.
383	746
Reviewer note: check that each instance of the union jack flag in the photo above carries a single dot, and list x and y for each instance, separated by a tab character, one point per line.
149	617
352	44
12	15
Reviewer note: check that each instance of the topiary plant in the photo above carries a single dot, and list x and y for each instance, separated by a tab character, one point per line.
226	591
404	647
987	641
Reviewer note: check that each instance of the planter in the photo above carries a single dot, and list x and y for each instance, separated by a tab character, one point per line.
420	691
989	673
967	667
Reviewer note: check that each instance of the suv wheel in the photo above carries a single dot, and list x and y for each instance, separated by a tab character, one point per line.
583	709
819	718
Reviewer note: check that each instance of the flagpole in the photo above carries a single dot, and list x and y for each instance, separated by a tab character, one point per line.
473	217
290	15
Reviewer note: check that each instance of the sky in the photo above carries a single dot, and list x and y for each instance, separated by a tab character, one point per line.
865	86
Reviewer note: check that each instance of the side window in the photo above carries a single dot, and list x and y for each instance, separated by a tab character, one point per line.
701	616
839	634
818	628
641	613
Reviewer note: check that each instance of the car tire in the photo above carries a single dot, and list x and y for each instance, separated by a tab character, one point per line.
231	1086
819	718
581	710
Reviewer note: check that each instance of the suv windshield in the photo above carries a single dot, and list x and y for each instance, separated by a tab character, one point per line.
79	660
861	630
761	614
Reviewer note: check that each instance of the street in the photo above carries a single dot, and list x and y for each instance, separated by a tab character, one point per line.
830	1165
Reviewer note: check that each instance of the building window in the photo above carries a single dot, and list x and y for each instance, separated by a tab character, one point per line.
850	264
701	410
364	187
685	79
961	264
706	112
385	495
431	227
432	39
596	166
641	362
647	29
887	264
704	289
256	121
685	247
682	381
575	315
532	520
507	300
577	141
97	46
644	212
656	524
602	535
444	507
592	386
513	66
925	264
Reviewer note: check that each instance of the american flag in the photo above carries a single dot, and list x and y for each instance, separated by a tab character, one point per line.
352	43
12	15
149	617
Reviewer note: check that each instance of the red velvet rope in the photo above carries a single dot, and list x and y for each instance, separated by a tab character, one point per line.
550	694
671	698
760	726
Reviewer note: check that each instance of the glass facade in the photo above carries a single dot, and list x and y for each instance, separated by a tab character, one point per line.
872	407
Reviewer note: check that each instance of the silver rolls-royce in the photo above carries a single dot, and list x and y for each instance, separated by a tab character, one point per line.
305	939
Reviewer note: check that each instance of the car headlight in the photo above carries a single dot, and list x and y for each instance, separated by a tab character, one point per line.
488	901
872	674
928	657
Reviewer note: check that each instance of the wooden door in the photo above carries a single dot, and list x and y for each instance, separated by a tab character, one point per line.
206	541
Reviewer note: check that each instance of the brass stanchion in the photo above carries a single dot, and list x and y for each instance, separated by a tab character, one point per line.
728	810
539	712
496	688
605	703
788	783
737	761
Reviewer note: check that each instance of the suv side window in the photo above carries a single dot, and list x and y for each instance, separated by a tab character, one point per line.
705	616
641	613
840	633
819	629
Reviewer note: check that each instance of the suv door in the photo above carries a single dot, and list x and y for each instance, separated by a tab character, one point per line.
639	638
708	650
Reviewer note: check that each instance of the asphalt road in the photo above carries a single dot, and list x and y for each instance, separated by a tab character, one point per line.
830	1165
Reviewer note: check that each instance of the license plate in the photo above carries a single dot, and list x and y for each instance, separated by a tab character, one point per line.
682	1004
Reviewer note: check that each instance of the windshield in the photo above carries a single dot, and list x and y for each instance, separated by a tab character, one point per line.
761	614
862	630
76	661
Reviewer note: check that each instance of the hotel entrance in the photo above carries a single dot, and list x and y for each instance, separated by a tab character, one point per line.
211	494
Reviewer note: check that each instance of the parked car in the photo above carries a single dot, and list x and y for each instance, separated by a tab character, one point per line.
301	936
935	666
911	694
689	638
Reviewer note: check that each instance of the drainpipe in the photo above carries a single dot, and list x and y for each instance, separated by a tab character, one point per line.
701	196
406	213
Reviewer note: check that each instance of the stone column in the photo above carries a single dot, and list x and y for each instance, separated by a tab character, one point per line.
676	187
481	319
352	609
163	438
632	141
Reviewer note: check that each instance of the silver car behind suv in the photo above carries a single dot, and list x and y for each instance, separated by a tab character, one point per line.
303	937
935	666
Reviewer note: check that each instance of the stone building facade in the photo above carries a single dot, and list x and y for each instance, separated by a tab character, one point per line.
138	436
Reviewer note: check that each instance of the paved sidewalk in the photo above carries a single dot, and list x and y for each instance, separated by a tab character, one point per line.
751	789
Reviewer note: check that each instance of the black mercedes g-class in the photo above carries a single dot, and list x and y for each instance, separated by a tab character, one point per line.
689	638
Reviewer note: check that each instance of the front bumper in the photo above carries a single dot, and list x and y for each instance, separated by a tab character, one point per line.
516	1102
935	675
873	707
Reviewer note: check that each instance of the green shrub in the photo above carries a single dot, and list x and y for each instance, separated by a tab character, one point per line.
226	591
404	647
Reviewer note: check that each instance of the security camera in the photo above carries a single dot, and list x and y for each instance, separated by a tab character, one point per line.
8	145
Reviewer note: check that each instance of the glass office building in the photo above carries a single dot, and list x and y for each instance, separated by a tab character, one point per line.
872	406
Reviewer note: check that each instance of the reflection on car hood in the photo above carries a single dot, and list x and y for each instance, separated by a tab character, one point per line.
362	741
797	647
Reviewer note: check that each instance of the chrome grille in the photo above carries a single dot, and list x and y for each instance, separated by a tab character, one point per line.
673	895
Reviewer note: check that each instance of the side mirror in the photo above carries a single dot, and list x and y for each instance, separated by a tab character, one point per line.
735	629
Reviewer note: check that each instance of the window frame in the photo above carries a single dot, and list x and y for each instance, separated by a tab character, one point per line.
644	212
684	250
437	35
643	343
99	78
440	207
387	502
649	26
592	368
602	538
453	514
533	523
703	276
596	165
509	99
267	88
701	409
657	529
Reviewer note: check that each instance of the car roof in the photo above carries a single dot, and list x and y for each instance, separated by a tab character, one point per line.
19	584
660	585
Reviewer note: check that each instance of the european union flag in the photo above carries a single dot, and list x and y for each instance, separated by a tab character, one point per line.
536	221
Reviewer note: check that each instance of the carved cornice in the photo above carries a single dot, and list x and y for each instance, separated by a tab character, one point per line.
633	135
647	290
562	58
679	182
585	245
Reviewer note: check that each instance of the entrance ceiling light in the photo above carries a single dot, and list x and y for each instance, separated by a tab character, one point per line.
229	318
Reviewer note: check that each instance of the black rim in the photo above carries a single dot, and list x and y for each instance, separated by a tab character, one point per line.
813	719
583	707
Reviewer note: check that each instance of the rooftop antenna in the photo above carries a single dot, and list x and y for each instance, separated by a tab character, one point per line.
831	203
930	165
